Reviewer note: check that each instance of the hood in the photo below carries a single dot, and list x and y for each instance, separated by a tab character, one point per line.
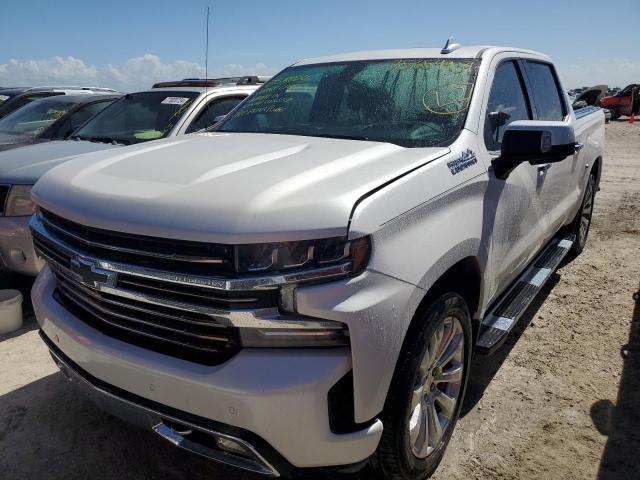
27	164
227	187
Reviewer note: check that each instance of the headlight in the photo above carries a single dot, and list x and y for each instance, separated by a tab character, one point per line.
19	202
285	256
295	263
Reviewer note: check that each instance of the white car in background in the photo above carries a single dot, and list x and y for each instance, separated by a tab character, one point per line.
167	110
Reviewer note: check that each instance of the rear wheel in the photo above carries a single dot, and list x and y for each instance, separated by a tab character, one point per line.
427	392
582	222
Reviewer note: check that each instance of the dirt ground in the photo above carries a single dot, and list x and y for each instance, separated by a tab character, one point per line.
560	400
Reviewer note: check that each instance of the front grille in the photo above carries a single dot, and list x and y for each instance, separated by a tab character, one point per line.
184	321
163	254
192	337
4	193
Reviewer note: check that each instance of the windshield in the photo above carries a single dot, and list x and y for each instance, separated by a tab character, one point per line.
409	102
138	117
34	118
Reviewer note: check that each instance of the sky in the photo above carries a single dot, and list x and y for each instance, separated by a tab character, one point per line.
129	45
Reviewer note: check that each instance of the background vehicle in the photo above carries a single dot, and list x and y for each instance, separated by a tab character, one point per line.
12	99
170	109
624	102
590	96
51	118
311	295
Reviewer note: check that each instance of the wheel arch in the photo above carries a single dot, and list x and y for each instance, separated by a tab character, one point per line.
464	277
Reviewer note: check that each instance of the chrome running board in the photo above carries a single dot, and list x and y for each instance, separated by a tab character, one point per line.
500	320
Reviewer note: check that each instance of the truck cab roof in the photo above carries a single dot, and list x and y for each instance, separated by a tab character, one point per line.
478	51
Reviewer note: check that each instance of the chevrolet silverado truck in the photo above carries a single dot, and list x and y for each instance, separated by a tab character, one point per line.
304	286
169	109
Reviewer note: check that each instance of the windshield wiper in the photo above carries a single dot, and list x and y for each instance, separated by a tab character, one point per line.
342	137
114	141
78	138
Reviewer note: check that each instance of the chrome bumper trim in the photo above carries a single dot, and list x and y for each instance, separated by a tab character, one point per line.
157	422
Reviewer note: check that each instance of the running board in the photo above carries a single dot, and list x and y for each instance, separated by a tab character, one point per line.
497	324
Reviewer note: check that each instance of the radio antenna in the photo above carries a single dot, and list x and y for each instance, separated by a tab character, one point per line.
206	73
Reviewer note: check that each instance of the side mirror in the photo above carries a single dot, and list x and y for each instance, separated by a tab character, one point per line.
534	141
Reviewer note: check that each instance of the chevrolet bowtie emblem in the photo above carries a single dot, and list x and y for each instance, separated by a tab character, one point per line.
86	272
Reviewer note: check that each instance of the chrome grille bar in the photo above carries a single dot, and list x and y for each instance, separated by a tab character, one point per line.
159	338
178	316
271	282
174	257
93	307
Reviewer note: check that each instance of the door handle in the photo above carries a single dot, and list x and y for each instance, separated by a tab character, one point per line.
579	146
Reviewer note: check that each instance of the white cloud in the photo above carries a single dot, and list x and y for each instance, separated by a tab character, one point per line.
615	72
135	74
141	72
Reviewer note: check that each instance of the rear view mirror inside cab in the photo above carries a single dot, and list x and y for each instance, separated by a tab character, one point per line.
536	142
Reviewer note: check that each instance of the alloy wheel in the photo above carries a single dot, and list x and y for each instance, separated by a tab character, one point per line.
437	388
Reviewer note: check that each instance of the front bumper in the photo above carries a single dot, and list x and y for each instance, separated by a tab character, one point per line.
278	396
16	247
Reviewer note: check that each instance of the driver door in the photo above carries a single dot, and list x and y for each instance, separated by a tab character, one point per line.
514	216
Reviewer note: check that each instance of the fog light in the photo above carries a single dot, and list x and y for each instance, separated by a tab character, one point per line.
231	446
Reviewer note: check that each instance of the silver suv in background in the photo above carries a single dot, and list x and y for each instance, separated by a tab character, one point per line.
167	110
50	118
13	98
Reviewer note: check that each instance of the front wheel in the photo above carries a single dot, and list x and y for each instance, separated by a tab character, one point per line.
427	392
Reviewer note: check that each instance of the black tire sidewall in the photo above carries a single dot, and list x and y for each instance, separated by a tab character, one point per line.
394	457
577	246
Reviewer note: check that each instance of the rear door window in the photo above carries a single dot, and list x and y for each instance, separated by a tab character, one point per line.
545	91
507	103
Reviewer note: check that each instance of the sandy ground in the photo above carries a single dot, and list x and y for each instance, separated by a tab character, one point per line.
561	399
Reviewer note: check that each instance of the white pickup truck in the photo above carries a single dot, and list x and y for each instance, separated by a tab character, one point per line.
305	287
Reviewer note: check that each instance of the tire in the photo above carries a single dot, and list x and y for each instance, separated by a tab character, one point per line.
406	451
615	114
582	222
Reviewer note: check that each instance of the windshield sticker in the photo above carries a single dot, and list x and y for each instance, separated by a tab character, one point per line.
55	114
175	100
148	135
3	98
464	161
